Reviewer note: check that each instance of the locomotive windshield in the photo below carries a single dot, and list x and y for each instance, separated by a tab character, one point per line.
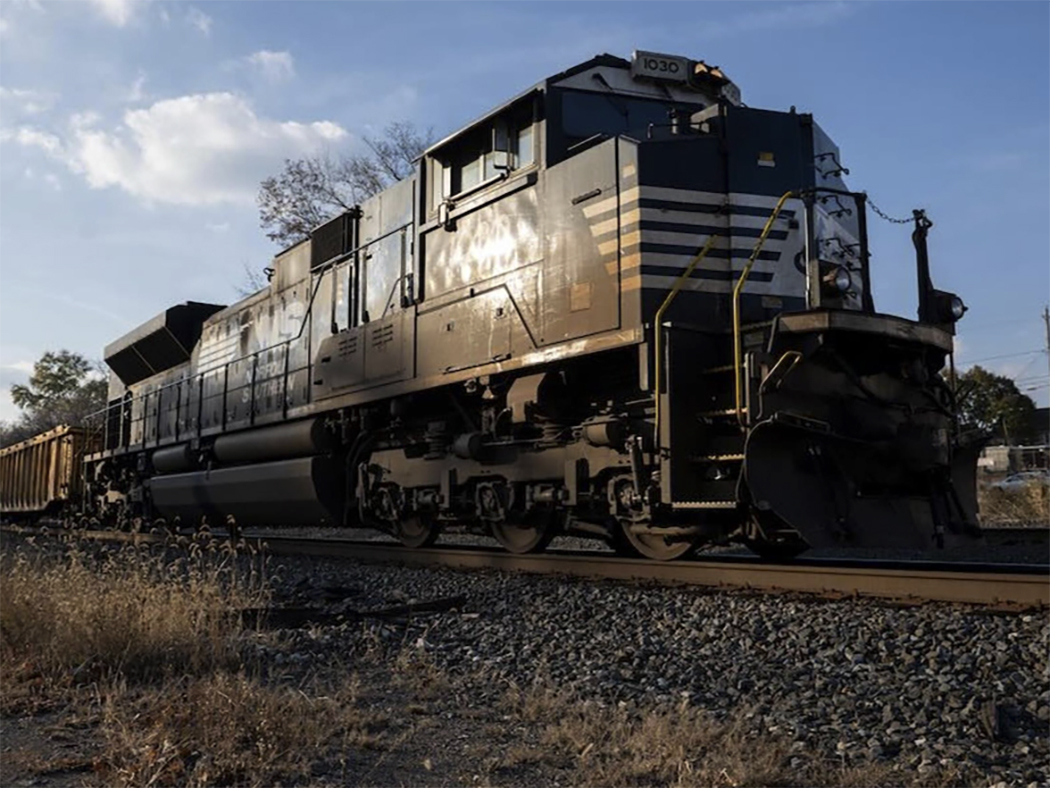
587	114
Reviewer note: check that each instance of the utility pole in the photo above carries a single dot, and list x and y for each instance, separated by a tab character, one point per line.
1046	320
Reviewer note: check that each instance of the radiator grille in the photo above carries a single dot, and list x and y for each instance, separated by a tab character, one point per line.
331	240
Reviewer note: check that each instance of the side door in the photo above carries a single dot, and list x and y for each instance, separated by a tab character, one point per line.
386	278
367	339
582	259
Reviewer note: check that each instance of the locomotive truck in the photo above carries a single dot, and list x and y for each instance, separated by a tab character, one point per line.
621	305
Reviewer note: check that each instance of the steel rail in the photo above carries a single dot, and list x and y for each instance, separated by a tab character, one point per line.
1006	585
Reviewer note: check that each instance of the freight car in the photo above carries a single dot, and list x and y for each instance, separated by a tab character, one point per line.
621	304
42	475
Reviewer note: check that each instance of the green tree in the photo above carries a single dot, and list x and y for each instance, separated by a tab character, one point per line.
993	402
63	389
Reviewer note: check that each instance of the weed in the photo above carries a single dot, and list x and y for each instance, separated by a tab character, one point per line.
1028	504
121	613
671	745
227	729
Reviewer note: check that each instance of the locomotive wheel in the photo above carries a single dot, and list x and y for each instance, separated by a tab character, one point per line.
526	533
418	530
653	546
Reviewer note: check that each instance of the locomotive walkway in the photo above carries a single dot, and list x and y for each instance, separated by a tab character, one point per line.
1004	586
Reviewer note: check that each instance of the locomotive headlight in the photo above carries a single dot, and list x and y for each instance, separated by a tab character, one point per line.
946	307
838	279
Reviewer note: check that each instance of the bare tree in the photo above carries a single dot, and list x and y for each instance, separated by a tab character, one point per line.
310	190
254	280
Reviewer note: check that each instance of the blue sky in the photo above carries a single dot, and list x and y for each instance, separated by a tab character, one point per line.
133	135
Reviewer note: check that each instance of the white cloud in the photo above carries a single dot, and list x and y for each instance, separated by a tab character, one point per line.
117	12
34	138
80	120
198	149
273	66
199	20
25	101
5	27
136	93
21	366
217	227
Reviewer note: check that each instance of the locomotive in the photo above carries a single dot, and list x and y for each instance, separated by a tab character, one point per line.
621	305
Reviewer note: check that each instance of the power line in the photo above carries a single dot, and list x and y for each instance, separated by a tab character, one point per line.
996	323
1004	355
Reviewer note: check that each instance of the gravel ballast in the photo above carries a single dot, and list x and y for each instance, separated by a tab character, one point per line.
925	687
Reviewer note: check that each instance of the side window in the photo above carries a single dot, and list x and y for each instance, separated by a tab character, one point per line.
484	154
469	171
440	183
526	153
382	270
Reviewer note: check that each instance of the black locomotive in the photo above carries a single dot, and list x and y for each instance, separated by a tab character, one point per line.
622	305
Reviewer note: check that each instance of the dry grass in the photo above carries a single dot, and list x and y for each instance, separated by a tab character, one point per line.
1029	504
146	647
229	729
675	746
415	670
122	613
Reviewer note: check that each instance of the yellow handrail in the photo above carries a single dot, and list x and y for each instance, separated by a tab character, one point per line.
737	290
658	327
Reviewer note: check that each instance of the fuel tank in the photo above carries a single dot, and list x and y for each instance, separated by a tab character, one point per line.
297	439
174	459
302	491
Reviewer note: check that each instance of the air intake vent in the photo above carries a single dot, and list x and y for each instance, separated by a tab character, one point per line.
333	238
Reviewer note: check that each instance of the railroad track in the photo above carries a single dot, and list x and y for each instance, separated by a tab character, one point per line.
1006	586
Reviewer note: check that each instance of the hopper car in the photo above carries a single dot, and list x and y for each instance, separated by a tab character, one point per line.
621	305
43	475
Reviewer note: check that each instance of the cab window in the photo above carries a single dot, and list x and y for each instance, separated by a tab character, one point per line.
585	114
487	153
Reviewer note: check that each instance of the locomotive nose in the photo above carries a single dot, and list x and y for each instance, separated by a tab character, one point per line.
827	489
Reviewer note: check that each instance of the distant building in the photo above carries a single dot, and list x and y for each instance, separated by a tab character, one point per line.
998	460
994	459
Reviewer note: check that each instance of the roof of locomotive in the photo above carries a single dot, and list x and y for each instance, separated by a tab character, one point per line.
604	59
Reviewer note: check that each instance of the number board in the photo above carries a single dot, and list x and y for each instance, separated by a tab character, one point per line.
667	68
